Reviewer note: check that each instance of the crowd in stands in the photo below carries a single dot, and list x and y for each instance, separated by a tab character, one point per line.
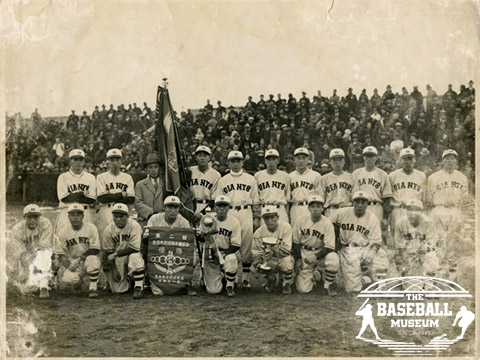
427	122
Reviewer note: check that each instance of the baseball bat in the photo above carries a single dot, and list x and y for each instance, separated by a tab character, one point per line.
363	305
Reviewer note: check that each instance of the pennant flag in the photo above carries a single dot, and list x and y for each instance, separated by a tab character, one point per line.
169	146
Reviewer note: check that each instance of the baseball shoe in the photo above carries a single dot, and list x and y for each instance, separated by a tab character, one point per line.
230	292
287	289
330	292
246	285
44	294
92	294
138	293
191	292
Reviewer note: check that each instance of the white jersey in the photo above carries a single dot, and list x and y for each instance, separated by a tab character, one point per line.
447	189
107	183
69	183
304	185
75	243
41	236
158	220
375	183
406	234
314	235
203	184
229	233
273	189
283	234
337	189
407	186
357	231
116	239
241	189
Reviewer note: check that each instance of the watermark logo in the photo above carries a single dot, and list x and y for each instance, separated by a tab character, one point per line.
414	315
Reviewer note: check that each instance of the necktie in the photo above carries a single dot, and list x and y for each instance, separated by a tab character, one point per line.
155	185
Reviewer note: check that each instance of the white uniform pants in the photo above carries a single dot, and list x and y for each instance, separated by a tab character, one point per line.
245	217
90	266
125	265
214	273
297	212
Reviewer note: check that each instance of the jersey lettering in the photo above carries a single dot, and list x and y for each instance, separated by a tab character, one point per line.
314	233
112	186
225	232
304	184
239	186
205	183
408	185
76	187
123	237
335	186
359	228
274	184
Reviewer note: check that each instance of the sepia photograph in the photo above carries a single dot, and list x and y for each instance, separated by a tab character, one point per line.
248	179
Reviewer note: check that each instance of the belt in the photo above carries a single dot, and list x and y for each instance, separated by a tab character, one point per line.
300	203
373	202
202	201
400	206
352	245
276	205
336	206
239	207
310	248
446	206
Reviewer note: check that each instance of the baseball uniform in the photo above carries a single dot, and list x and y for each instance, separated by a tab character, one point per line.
203	186
337	191
274	189
356	234
71	183
301	187
312	237
116	239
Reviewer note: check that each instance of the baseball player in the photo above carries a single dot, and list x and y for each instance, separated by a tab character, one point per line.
415	242
274	185
314	249
170	218
31	243
359	239
407	184
337	185
447	190
277	257
76	186
204	181
113	186
220	243
303	183
242	189
121	243
76	250
149	191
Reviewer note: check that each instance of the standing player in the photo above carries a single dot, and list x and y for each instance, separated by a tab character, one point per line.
76	186
221	242
337	185
121	242
314	249
304	182
31	243
279	256
242	189
447	190
76	251
407	184
360	244
113	186
204	181
274	184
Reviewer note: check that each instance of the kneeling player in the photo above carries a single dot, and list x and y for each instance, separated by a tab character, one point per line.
121	242
220	242
76	251
314	249
272	250
415	242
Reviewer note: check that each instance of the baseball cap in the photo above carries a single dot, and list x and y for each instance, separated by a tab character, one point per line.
336	153
120	208
398	123
32	209
269	210
370	150
407	152
222	199
203	148
114	153
449	152
76	153
301	150
75	207
271	152
315	199
414	203
360	195
235	155
171	200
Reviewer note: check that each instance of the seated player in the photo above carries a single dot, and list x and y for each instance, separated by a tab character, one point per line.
121	243
29	252
76	252
314	249
273	259
219	243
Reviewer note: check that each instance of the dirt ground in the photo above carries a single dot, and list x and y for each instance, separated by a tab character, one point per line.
253	324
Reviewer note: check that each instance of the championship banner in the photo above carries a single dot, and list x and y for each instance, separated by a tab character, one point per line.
170	257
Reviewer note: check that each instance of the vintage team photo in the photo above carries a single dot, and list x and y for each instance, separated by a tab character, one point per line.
250	183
